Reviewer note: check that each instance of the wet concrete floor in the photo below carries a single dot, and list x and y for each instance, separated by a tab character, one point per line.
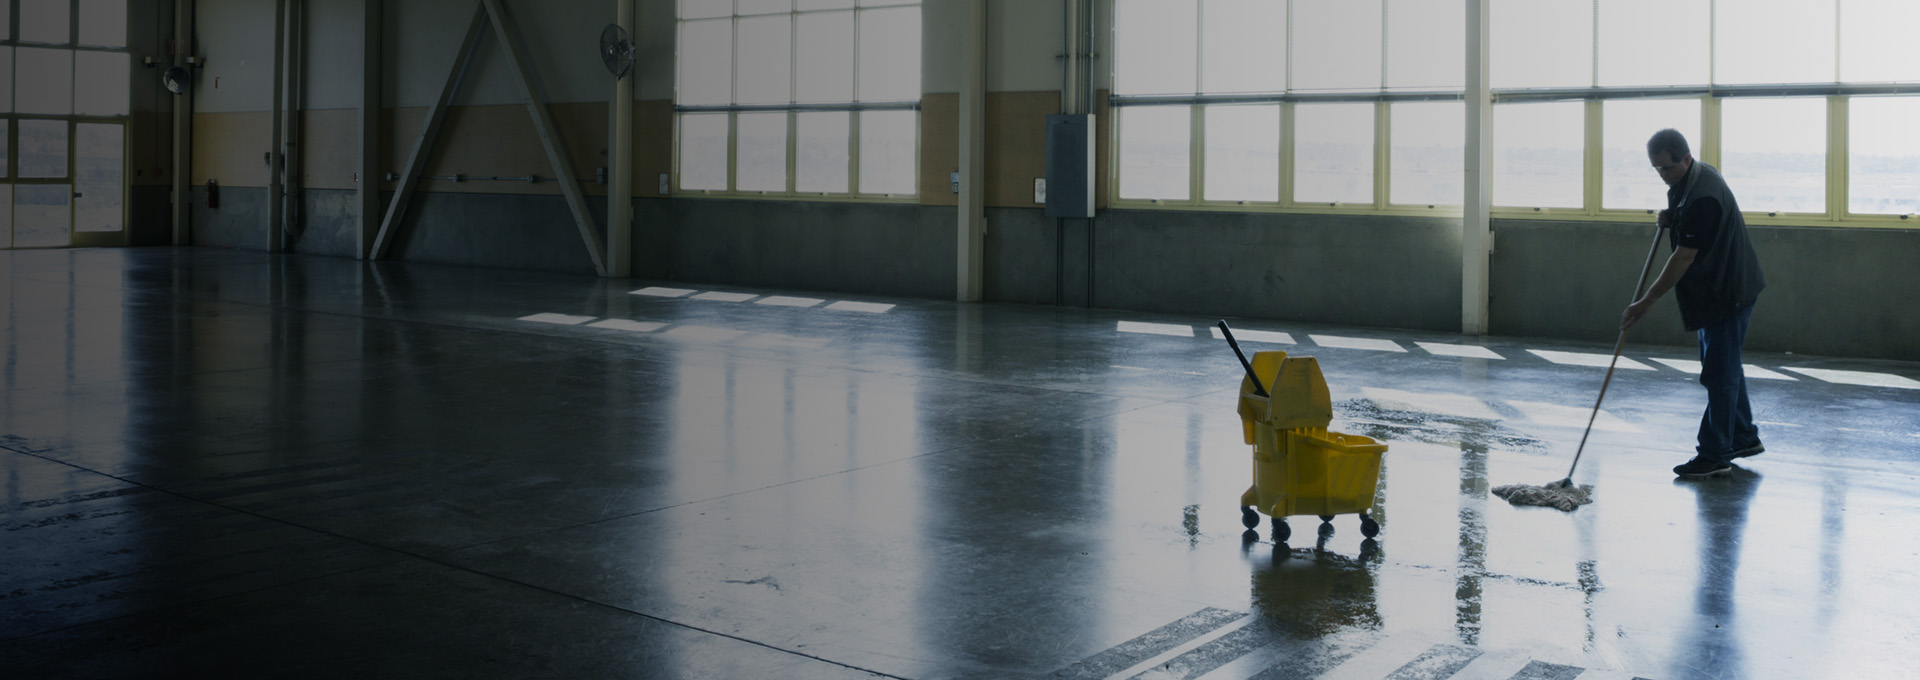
225	464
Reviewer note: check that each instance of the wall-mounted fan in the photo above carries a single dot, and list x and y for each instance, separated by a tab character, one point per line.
616	50
175	78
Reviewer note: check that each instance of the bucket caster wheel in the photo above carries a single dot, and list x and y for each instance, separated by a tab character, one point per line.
1281	532
1249	518
1368	527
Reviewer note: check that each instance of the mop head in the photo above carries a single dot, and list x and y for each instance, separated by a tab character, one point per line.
1550	496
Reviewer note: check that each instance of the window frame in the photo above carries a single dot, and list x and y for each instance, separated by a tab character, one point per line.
9	39
792	111
1707	148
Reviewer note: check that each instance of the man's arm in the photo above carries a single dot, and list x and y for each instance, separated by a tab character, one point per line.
1670	274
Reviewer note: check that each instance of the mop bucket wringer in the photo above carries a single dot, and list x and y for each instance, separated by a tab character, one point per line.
1299	466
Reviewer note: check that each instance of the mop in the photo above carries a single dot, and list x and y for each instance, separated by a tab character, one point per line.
1563	494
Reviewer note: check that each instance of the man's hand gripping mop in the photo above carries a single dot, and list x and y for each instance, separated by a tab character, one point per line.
1563	494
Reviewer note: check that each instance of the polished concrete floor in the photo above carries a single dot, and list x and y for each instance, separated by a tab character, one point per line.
227	464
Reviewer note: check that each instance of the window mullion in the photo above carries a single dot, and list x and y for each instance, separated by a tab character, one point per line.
1838	156
1197	153
1710	130
1592	168
1286	153
1380	156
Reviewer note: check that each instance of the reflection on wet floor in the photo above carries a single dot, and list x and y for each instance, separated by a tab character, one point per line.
231	464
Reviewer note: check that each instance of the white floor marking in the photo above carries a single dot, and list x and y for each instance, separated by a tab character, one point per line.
1859	378
1493	666
1379	660
629	325
562	319
702	333
1190	645
1692	367
782	340
1458	405
1275	337
1468	351
1570	416
868	307
1155	328
1343	342
660	291
1595	674
785	301
718	296
1585	359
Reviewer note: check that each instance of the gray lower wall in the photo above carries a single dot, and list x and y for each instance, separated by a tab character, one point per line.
1831	291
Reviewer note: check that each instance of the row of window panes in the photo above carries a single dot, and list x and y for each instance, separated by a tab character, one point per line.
45	85
103	23
821	145
1230	46
707	9
36	215
1773	153
801	58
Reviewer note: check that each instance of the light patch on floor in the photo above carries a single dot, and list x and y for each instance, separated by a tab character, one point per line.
718	296
702	333
868	307
1692	367
1343	342
1457	405
662	291
1275	337
1155	328
1586	359
1570	416
1468	351
1126	368
629	325
785	301
1859	378
562	319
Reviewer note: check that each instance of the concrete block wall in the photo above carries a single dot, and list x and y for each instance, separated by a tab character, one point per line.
1832	292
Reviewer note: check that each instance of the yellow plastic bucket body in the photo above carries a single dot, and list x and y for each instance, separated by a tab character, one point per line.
1299	466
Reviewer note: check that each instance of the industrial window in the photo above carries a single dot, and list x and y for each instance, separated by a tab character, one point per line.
1333	153
1429	145
63	122
1774	153
1884	156
1773	41
1242	152
1546	43
1627	179
798	98
1538	154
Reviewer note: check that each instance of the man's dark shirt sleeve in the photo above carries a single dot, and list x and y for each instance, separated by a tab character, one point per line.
1699	223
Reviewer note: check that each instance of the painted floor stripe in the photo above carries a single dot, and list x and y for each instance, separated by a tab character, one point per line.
1139	669
562	319
1439	661
1502	665
1211	655
1692	367
1541	670
1343	342
1457	405
1381	659
629	325
1289	660
1174	329
1586	359
868	307
1147	645
662	291
1859	378
1570	416
1468	351
1244	335
786	301
719	296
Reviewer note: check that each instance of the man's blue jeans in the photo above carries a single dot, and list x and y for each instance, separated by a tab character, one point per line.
1727	425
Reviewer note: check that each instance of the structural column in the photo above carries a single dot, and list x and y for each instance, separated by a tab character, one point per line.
183	121
276	188
1476	234
367	191
972	227
620	156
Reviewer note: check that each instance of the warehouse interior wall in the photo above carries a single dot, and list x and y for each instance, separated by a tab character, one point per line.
1832	291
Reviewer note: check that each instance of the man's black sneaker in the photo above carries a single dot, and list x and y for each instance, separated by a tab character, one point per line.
1702	466
1756	449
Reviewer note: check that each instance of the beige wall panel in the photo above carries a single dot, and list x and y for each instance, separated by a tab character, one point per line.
230	148
329	148
652	146
500	141
1017	145
939	148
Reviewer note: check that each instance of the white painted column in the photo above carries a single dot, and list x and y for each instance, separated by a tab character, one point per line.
1476	234
276	238
367	191
620	159
972	227
183	122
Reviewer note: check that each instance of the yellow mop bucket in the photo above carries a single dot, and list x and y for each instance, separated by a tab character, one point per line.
1299	466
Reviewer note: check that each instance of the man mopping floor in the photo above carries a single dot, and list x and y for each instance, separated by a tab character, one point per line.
1715	276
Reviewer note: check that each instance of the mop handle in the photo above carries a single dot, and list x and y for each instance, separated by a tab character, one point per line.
1617	344
1257	388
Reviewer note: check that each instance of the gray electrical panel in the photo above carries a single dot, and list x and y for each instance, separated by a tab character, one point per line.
1070	165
